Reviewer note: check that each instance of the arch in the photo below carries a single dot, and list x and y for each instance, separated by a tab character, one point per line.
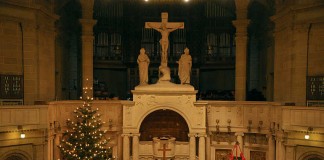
164	108
16	155
312	156
164	123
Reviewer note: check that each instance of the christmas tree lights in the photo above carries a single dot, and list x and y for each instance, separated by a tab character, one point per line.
84	139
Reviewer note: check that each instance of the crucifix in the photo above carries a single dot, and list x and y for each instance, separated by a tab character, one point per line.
165	28
164	150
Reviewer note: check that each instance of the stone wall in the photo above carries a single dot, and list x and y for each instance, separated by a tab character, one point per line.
297	35
27	47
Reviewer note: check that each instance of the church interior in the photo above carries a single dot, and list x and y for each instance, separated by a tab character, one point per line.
254	88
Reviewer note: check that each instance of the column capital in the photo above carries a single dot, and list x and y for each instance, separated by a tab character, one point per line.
202	135
135	134
192	135
241	25
87	26
239	134
126	134
197	135
280	136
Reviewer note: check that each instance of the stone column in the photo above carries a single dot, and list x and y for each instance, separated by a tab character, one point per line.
283	150
202	149
271	144
192	147
50	149
208	148
56	150
120	147
280	149
126	147
278	144
135	146
241	24
87	37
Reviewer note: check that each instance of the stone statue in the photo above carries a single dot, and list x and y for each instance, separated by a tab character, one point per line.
165	28
164	73
184	70
143	63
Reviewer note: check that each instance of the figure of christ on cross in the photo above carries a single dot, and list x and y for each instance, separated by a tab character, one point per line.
164	150
165	28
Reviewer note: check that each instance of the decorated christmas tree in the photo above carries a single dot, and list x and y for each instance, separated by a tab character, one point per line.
84	139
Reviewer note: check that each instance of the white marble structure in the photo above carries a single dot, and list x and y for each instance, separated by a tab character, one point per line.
164	95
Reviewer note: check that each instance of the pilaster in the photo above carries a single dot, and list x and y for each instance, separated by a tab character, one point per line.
300	61
271	144
280	149
56	150
208	146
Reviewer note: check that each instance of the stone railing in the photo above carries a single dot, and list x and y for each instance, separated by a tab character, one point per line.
111	111
243	116
30	117
240	116
300	118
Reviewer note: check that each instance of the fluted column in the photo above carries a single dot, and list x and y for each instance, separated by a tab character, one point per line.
202	149
271	144
120	147
278	144
50	148
126	147
57	153
241	24
135	146
283	150
280	150
208	150
192	147
87	23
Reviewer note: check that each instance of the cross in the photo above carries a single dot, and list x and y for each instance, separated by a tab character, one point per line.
164	150
164	27
169	25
